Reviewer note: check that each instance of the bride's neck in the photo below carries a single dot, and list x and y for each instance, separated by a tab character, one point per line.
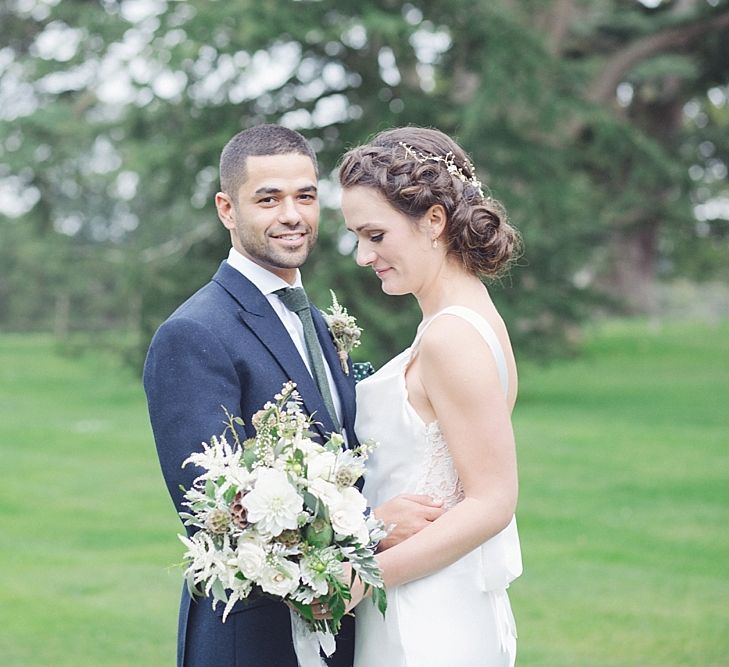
452	286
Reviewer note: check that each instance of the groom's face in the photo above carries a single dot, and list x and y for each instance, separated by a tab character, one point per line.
274	220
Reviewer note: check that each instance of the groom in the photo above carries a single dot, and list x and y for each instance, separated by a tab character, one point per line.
234	343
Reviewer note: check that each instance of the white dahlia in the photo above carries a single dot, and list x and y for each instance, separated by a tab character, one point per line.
273	504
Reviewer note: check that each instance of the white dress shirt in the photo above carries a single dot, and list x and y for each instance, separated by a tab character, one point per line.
268	283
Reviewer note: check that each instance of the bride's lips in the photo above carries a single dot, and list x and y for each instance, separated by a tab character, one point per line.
381	272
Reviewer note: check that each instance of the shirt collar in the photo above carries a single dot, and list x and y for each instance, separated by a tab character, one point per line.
263	279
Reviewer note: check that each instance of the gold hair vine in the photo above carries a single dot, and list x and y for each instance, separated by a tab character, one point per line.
449	160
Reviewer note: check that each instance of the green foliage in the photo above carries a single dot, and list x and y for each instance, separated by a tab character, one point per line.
110	136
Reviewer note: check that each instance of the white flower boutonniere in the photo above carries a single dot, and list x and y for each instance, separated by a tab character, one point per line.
344	330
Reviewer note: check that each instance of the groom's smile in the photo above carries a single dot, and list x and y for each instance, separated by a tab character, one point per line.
290	238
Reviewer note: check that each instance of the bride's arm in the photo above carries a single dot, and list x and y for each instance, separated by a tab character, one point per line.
461	382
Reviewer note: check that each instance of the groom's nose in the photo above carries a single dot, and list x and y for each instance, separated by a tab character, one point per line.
288	212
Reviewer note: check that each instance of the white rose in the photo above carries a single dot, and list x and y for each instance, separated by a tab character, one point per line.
250	560
326	492
307	445
281	578
273	504
347	515
321	465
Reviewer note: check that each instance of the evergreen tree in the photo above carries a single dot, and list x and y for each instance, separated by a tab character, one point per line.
599	125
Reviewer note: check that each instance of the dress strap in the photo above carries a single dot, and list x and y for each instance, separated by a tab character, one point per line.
481	324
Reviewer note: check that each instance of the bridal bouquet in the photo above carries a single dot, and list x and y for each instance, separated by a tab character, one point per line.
279	514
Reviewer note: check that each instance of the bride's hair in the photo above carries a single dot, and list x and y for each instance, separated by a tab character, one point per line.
414	168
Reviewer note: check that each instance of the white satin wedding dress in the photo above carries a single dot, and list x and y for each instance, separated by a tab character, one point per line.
459	616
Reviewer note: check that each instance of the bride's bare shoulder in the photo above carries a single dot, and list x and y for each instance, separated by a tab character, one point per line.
451	346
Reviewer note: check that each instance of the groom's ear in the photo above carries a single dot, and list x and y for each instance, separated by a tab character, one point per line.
226	209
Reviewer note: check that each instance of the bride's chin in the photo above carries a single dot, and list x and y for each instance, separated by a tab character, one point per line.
394	291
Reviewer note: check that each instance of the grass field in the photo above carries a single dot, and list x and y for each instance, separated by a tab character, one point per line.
624	508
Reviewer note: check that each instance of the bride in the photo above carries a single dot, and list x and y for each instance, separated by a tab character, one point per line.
441	410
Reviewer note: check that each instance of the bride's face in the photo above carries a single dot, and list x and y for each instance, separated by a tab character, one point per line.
396	247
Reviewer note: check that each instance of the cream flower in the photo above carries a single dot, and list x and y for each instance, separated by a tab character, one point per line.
280	577
273	504
347	515
326	492
321	465
250	559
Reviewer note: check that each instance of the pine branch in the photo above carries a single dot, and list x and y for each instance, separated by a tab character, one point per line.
603	87
179	245
557	24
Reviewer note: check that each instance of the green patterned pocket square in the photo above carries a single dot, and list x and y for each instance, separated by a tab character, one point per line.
361	370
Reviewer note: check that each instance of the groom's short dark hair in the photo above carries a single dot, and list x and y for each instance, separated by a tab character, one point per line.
258	140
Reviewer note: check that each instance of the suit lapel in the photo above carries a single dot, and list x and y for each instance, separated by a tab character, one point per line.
257	314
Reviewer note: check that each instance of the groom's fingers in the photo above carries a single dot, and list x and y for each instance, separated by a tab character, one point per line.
426	507
320	611
422	500
407	514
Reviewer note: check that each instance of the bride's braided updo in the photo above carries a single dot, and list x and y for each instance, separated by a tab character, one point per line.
415	168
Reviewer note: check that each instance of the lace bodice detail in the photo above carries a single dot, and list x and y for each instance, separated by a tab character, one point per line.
438	477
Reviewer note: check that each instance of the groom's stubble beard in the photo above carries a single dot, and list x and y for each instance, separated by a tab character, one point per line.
262	247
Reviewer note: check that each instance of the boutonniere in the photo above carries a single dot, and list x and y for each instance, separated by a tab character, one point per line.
344	330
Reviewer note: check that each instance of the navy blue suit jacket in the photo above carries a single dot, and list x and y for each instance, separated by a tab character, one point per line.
225	346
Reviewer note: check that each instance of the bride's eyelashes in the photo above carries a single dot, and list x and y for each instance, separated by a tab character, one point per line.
372	238
375	238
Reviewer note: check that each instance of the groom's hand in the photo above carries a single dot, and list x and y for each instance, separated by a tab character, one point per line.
409	514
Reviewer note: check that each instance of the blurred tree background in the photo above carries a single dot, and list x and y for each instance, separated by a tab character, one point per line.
603	126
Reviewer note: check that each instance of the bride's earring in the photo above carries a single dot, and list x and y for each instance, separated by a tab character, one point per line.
435	242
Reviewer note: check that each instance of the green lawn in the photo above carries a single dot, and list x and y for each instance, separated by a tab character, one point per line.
624	508
624	504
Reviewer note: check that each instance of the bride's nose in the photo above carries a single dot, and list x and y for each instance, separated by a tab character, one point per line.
365	256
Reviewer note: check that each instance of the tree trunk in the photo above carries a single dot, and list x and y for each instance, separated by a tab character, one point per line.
632	261
62	314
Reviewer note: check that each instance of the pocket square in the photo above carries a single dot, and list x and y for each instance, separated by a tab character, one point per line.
361	370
